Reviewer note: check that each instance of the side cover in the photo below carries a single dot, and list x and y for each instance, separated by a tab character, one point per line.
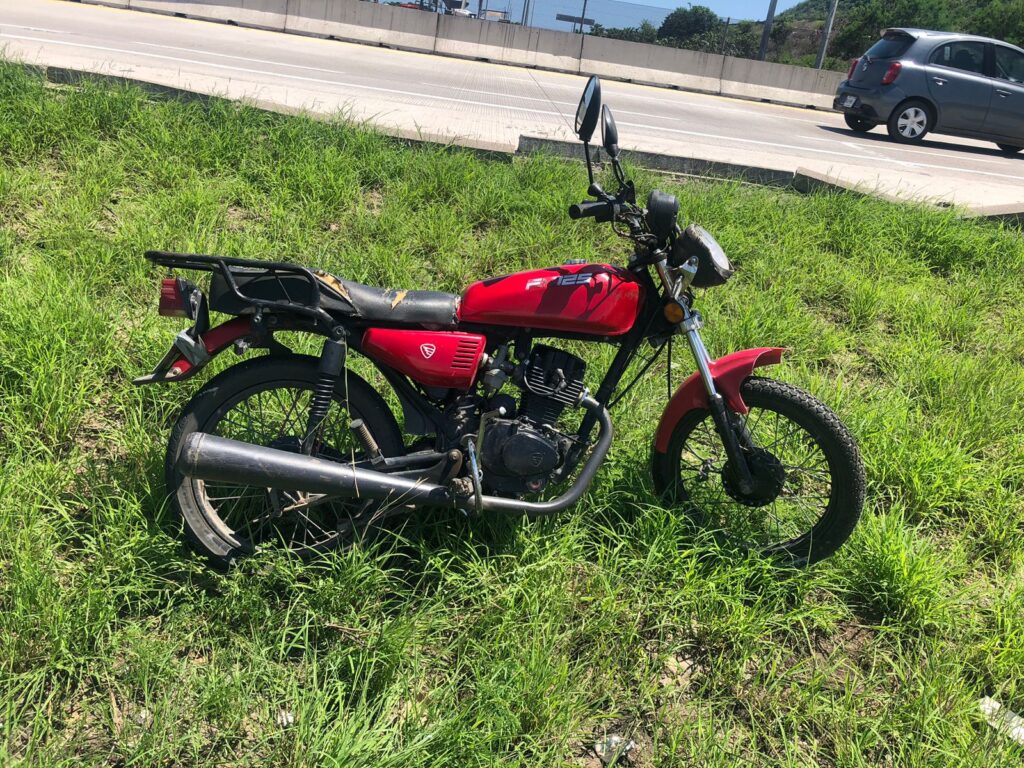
433	358
728	373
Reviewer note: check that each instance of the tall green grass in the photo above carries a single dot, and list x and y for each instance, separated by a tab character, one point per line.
484	642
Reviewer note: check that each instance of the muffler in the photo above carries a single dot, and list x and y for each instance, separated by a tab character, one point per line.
218	459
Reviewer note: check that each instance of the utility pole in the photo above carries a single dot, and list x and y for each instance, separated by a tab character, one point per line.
763	53
583	15
725	35
827	33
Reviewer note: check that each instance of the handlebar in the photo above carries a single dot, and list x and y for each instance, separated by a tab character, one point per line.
597	209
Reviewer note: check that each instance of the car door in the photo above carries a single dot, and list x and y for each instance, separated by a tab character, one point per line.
959	86
1006	112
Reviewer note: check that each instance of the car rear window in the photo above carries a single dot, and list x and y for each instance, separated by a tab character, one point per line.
891	45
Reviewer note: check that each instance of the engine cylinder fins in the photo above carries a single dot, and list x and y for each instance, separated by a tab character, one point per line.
553	379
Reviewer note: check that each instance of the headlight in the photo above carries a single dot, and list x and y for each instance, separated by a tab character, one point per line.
713	266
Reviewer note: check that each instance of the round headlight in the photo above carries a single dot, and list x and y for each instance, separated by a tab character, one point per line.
713	266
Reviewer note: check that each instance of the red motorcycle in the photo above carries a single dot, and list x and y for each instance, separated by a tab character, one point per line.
300	450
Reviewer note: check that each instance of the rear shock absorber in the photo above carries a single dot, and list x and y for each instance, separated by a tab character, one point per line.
332	363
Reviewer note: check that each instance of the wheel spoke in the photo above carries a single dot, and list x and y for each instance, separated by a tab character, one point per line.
274	416
804	474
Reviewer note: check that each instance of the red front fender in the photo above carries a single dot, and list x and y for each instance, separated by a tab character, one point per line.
728	373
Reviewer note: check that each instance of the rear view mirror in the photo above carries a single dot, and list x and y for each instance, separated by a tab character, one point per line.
609	133
588	110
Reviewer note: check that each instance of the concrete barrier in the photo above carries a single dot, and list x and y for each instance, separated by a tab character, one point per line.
262	14
364	23
655	64
508	43
802	86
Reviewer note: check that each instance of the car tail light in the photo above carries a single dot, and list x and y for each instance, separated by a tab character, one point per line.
892	73
176	298
853	66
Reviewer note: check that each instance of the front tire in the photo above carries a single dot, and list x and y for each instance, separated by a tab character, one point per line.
859	124
266	401
910	122
809	477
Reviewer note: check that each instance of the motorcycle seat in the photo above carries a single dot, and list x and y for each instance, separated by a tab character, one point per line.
342	298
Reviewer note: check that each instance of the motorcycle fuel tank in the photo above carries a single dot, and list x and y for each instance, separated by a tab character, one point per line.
590	299
433	358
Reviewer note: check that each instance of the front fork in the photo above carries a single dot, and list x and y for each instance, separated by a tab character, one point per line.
727	430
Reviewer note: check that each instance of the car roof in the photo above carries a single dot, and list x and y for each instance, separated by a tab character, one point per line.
937	35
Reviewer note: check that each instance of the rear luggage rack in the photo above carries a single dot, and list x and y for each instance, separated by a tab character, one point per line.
274	269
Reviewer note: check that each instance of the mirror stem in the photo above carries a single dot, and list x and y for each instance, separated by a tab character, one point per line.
590	167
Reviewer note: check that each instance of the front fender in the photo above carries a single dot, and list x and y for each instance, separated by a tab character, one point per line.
728	373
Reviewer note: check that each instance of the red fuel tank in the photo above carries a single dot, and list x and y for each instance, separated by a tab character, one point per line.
433	358
595	299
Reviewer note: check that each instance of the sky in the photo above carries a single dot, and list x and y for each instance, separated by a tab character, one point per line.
619	13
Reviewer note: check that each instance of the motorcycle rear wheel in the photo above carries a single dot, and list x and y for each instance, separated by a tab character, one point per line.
808	474
266	401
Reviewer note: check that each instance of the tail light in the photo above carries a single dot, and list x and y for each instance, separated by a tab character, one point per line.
892	73
176	298
853	66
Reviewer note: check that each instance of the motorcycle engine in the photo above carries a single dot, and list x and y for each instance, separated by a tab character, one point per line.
518	455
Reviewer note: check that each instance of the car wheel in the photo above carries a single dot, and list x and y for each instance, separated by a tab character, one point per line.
910	122
859	124
1009	148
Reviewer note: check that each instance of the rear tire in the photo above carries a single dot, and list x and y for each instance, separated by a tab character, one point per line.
1009	148
265	401
811	484
859	124
910	122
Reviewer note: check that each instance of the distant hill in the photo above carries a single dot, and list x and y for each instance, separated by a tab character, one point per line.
859	21
817	10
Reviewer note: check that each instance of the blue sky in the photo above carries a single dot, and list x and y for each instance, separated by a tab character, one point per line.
620	13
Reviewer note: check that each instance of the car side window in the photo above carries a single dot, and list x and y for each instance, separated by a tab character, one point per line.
1009	64
967	55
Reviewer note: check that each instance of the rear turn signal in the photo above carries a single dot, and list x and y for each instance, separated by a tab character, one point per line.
892	73
853	66
174	298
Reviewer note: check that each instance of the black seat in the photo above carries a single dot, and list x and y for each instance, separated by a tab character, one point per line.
337	296
404	307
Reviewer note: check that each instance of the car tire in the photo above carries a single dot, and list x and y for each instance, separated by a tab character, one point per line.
910	122
859	124
1009	149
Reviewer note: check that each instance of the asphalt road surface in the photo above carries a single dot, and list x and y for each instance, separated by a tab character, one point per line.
491	105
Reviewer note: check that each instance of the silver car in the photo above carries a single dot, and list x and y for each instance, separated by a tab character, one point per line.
916	81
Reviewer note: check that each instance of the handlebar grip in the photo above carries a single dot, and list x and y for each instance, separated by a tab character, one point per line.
596	209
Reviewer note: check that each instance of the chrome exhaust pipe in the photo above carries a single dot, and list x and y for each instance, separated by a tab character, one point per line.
218	459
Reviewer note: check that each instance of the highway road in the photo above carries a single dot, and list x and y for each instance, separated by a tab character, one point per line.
490	105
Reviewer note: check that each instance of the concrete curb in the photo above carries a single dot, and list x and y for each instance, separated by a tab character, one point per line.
802	180
687	166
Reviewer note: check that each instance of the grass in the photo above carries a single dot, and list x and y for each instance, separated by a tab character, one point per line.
490	642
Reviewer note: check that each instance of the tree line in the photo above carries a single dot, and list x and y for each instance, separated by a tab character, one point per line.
796	34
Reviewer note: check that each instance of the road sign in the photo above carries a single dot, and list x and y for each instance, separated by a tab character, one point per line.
574	19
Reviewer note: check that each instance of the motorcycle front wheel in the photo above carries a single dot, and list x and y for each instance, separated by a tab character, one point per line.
265	401
807	471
